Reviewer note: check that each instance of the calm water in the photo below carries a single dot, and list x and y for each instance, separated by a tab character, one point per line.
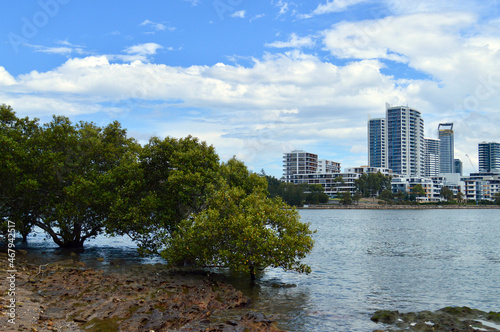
365	260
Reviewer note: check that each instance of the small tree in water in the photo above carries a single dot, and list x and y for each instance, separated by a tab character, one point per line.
242	229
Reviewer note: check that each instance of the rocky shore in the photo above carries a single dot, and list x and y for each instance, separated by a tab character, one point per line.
459	319
67	296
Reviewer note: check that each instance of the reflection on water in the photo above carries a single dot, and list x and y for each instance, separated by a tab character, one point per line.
363	261
116	252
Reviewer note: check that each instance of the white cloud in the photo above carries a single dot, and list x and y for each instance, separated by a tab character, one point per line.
66	48
157	26
332	6
140	52
146	49
292	99
293	42
239	14
6	78
256	17
284	7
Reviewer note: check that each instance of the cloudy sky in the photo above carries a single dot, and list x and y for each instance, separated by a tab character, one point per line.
257	78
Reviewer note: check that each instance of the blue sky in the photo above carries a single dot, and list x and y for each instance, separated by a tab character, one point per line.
257	78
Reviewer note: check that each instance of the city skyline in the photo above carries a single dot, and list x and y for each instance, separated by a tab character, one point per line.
257	79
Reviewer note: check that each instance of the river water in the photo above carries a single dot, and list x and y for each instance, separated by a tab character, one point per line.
363	261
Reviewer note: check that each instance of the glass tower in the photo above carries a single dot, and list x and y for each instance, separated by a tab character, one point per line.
489	157
447	155
377	143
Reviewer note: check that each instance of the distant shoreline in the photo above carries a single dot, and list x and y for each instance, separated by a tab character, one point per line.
397	207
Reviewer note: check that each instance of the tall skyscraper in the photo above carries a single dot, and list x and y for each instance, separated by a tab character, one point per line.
432	159
405	141
447	150
377	143
489	157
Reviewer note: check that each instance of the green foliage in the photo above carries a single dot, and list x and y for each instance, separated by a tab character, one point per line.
386	194
356	197
170	183
418	190
20	164
242	229
76	181
292	194
446	193
60	176
316	194
372	184
296	194
345	198
496	198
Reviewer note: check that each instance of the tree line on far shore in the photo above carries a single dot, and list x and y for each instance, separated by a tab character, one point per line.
173	197
373	185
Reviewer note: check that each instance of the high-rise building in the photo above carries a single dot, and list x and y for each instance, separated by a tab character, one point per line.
299	162
447	154
405	141
458	167
489	157
377	143
432	160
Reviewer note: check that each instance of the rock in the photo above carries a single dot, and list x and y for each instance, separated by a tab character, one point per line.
459	319
79	320
55	313
385	316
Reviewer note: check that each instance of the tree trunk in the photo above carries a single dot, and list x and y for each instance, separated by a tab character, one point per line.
252	273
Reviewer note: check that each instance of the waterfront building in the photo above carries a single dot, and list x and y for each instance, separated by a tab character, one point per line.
405	184
489	157
405	141
299	162
301	167
447	147
333	183
481	186
369	170
432	159
327	166
377	143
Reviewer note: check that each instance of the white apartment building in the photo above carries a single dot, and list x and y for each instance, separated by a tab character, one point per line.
432	157
369	170
328	166
481	186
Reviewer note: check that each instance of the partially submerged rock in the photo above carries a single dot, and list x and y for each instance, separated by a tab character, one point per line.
459	319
